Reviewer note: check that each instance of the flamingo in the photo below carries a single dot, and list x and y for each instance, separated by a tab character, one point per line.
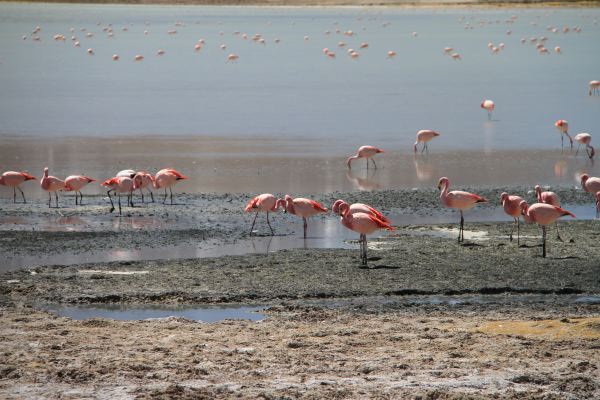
591	184
359	207
265	202
424	136
543	214
594	87
366	152
76	183
459	200
512	206
489	106
585	138
119	184
391	54
563	127
304	208
364	224
165	178
126	173
51	184
548	198
143	180
14	179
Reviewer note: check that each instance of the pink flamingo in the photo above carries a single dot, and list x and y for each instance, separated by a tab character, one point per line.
364	224
512	206
585	138
366	152
591	184
119	184
265	202
563	127
548	198
51	184
459	200
304	208
165	178
594	87
143	180
14	179
488	105
76	183
359	207
543	214
424	136
127	172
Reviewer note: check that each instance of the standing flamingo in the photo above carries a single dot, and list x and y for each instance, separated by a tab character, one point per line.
424	136
366	152
563	127
459	200
585	138
304	208
548	198
14	179
489	106
143	180
76	183
512	206
591	184
265	202
543	214
165	178
51	184
364	224
359	207
119	184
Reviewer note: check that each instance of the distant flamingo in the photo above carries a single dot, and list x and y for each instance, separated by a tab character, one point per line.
51	184
119	184
266	203
143	180
165	178
548	198
459	200
364	224
591	184
358	207
366	152
594	87
512	206
75	183
488	105
304	208
563	127
14	179
585	138
391	54
232	57
424	136
543	214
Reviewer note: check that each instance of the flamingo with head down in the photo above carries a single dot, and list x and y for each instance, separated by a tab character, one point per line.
366	152
304	208
120	184
165	179
358	207
511	205
563	127
424	136
74	183
585	139
542	214
143	180
266	203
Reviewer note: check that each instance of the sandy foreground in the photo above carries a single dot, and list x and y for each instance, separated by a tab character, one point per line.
333	330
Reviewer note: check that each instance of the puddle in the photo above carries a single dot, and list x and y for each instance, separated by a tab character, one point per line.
117	312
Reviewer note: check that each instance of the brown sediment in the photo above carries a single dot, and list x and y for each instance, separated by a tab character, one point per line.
570	328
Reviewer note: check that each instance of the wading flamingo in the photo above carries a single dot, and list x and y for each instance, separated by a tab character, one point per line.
563	127
359	207
119	184
165	178
14	179
594	87
364	224
512	206
488	105
266	203
366	152
548	198
304	208
542	214
591	184
51	184
459	200
75	183
424	136
143	180
585	138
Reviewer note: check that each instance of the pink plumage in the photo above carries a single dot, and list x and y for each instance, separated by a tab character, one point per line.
366	152
304	208
459	200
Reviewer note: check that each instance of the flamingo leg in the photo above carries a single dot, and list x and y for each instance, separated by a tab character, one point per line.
510	236
171	191
367	164
49	200
518	231
14	195
364	249
305	225
119	203
131	199
142	193
578	147
165	199
56	195
562	141
597	208
461	235
375	165
558	233
22	194
252	227
151	195
112	205
544	241
80	198
268	223
423	149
